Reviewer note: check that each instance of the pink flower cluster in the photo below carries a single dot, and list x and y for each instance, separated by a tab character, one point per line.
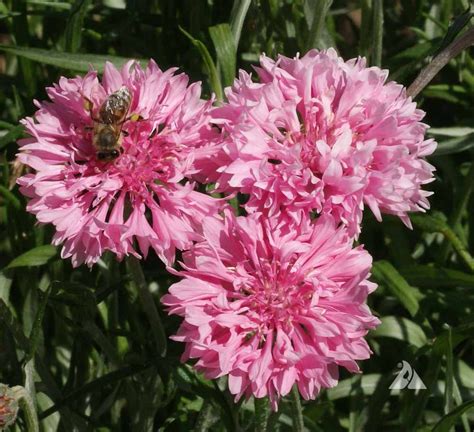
320	134
97	206
270	300
269	307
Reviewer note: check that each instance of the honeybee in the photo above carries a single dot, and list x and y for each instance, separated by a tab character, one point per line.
107	132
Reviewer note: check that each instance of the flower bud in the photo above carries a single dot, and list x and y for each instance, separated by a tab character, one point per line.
8	406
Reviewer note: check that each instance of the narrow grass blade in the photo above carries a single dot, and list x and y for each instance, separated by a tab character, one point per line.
425	276
448	392
237	18
209	63
386	274
76	62
37	325
454	145
450	420
97	384
319	9
433	224
35	257
460	206
148	303
73	33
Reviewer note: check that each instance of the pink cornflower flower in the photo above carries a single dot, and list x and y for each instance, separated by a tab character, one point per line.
269	307
101	201
319	134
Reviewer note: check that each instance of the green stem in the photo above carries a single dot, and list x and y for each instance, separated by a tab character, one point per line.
377	32
458	211
148	303
298	422
262	412
432	224
317	26
365	42
26	404
448	391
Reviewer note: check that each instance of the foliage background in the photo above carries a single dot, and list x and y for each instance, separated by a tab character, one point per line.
86	341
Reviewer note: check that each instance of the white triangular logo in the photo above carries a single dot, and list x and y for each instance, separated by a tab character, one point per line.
407	378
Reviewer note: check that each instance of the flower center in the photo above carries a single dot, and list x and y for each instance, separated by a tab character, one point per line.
146	159
276	298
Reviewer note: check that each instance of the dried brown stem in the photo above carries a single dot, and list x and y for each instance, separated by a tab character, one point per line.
440	61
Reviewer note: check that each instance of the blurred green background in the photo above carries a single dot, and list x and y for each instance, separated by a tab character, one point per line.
82	339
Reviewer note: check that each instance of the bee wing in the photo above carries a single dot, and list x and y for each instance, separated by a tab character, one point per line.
115	107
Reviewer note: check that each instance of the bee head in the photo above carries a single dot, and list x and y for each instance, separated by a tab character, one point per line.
108	155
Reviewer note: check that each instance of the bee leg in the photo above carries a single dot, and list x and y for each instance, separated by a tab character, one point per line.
153	133
125	133
133	118
89	106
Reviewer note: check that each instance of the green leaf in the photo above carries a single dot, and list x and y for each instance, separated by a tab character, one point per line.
37	325
417	402
11	136
464	374
10	197
206	417
96	385
50	4
37	256
456	131
76	62
455	145
450	420
224	44
148	304
73	33
237	18
366	384
21	36
210	66
425	276
106	346
416	52
434	224
448	391
386	274
9	15
458	335
402	329
316	12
